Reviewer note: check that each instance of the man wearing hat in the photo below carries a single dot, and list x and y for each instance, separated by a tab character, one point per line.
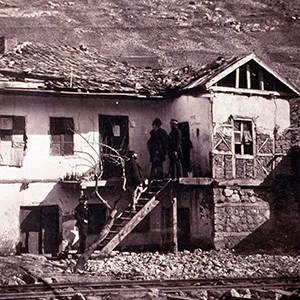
135	179
157	148
175	151
81	215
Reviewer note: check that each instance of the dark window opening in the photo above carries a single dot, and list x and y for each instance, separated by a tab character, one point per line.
228	81
268	81
62	132
254	75
243	77
12	140
243	139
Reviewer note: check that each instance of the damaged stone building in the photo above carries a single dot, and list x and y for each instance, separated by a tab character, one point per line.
57	102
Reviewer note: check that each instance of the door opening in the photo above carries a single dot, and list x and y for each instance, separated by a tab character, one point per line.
114	133
40	230
186	146
183	227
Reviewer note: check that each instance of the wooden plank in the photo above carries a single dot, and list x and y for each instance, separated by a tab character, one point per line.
248	75
237	78
175	297
246	91
116	240
21	85
174	225
196	181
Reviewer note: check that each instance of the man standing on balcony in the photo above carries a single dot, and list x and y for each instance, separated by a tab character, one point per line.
158	148
175	151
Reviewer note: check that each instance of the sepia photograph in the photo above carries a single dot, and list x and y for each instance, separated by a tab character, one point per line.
150	149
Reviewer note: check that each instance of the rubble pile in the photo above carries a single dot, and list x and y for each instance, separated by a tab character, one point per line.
196	264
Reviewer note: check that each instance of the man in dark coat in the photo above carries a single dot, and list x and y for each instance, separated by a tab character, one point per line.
134	178
175	151
158	148
81	215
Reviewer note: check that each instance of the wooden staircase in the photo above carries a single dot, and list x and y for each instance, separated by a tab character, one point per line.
126	221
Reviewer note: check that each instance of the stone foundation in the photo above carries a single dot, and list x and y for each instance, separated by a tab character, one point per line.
238	212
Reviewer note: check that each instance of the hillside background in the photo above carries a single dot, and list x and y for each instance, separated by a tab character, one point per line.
166	33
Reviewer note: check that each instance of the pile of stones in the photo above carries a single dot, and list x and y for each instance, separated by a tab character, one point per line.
196	264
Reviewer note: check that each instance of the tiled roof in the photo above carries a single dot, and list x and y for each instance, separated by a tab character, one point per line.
68	68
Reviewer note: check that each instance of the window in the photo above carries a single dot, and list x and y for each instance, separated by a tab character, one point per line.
12	140
243	140
62	131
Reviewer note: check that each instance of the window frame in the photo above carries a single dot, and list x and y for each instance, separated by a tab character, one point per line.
15	135
61	137
242	153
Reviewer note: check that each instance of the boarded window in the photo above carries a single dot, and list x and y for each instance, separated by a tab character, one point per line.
62	131
12	140
243	140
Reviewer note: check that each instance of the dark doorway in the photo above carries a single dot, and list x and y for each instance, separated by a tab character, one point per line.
183	227
114	133
40	230
166	228
186	146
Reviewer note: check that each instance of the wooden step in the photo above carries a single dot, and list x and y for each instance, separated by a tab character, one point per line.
145	205
125	218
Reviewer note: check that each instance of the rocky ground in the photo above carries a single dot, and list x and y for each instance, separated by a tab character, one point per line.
27	268
149	266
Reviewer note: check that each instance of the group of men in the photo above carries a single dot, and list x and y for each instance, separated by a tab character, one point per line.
160	145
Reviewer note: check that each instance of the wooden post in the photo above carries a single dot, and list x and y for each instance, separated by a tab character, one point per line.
248	72
174	224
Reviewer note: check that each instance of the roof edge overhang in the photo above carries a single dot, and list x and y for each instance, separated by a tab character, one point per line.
233	66
74	94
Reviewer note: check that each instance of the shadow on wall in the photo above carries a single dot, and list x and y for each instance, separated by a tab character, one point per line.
281	233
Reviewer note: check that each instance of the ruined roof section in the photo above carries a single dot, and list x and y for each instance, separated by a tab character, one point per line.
68	68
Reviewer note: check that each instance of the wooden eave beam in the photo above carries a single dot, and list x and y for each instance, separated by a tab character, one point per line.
32	76
204	181
33	91
247	91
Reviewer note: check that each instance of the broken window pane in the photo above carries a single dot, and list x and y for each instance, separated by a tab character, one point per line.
12	140
243	137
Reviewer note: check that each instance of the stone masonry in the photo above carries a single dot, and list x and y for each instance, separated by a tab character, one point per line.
238	212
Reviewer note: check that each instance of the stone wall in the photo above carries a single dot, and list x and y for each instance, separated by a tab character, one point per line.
238	212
